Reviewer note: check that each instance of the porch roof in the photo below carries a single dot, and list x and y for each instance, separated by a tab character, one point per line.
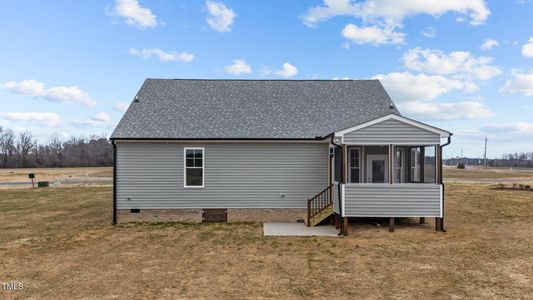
392	129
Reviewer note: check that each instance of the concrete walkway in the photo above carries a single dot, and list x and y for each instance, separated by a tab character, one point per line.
297	229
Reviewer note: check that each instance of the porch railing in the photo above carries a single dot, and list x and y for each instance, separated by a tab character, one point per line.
319	202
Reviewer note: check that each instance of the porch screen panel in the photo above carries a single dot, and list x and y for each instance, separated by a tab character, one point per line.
399	165
414	164
429	164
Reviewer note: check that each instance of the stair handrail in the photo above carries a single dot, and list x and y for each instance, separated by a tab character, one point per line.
319	202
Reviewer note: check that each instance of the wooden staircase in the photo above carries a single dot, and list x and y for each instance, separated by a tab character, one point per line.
319	207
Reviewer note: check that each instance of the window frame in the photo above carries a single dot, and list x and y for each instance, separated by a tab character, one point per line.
185	168
349	160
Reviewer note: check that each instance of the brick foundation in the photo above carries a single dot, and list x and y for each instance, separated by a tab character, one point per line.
160	215
266	214
195	215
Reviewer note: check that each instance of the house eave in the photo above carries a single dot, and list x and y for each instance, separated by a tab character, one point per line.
441	132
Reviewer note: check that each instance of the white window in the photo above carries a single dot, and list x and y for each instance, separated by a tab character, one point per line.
354	165
193	167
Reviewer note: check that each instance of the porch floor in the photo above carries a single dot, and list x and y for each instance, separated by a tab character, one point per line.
297	229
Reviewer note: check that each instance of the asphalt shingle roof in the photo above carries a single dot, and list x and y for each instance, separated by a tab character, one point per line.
250	109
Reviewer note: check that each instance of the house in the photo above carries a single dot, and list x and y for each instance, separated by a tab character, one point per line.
274	150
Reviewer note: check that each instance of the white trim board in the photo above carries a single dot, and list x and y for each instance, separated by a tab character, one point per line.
442	133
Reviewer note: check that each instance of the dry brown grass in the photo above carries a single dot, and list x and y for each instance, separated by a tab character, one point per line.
60	244
487	173
51	174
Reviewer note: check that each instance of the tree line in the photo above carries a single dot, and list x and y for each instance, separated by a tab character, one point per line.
23	151
509	160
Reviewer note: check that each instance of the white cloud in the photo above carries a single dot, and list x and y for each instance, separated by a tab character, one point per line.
394	11
527	49
447	111
429	32
101	119
416	94
521	84
372	35
516	128
388	15
488	44
43	118
406	87
461	64
135	14
36	89
220	18
239	66
162	55
121	106
287	71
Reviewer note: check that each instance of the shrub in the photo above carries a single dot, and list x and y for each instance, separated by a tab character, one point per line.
501	185
460	166
514	185
527	186
521	186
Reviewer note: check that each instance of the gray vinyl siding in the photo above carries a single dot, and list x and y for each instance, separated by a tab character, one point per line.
392	200
237	175
391	132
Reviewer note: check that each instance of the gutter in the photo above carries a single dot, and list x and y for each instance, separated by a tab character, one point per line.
339	184
319	138
114	182
441	182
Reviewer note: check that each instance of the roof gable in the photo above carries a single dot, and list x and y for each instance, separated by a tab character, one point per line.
250	109
442	133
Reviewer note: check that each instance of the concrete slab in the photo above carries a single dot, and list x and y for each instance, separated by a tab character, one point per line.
297	229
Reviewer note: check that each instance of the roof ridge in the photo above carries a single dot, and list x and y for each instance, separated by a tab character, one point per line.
228	79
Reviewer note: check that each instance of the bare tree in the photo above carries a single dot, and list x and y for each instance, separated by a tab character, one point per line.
25	143
7	146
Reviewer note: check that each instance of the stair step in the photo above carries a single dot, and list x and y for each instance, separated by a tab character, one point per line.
315	220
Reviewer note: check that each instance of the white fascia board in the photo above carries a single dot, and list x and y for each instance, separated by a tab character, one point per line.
440	132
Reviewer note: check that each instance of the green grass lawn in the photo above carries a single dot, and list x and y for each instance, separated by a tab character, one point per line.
60	244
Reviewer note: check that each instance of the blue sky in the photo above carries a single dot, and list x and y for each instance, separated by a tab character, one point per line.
68	68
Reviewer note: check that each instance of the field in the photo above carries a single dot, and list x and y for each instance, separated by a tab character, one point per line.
60	244
488	174
51	174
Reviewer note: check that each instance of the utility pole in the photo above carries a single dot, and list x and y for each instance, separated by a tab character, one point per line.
485	155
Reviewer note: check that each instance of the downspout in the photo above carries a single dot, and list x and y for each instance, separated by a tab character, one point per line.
339	183
441	181
114	182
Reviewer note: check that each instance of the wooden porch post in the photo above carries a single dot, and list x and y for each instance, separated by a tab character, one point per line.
391	162
343	180
345	226
437	223
422	220
438	160
391	224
